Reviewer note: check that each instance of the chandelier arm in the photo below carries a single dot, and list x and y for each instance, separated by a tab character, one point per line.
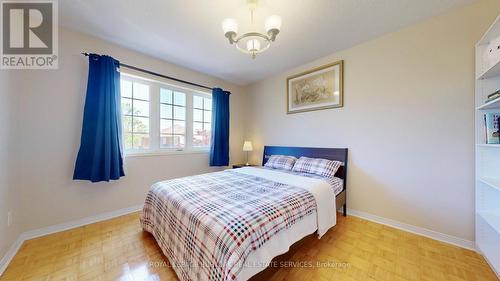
231	36
273	33
253	51
252	34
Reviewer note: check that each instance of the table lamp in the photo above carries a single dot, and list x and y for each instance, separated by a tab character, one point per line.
247	146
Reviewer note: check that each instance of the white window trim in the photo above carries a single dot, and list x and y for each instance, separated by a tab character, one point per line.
164	153
154	119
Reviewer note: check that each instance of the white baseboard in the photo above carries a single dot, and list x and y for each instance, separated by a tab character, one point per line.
81	222
11	252
467	244
4	262
480	251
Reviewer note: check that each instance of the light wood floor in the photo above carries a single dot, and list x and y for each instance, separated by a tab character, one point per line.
355	249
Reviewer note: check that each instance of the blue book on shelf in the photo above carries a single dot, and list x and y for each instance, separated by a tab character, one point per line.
492	128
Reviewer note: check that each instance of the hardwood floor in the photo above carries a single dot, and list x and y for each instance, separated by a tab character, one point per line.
355	249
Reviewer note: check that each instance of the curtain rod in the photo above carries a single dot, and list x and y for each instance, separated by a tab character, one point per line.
159	75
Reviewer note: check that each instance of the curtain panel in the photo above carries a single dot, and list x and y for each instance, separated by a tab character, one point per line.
219	145
100	155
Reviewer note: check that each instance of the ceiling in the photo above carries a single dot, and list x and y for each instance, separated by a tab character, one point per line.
189	33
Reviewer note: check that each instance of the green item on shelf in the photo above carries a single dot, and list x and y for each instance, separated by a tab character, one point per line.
494	95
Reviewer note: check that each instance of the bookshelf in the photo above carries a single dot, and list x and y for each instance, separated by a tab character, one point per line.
493	71
487	155
492	182
488	145
494	104
492	219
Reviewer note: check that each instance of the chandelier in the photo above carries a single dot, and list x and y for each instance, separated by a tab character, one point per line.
252	42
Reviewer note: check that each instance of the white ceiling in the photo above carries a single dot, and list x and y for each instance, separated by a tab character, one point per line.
189	33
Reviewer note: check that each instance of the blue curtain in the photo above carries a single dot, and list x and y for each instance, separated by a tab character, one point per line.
100	154
219	145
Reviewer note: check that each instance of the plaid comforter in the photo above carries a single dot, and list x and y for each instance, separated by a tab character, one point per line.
208	224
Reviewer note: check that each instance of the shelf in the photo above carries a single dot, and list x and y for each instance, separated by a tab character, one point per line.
492	182
488	145
487	195
492	219
493	32
490	105
493	71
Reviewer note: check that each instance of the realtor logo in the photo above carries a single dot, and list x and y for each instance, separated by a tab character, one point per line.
29	35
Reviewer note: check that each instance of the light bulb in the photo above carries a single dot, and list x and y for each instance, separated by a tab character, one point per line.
253	45
273	22
230	25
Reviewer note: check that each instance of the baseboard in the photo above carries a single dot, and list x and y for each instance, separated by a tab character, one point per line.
480	251
4	262
81	222
463	243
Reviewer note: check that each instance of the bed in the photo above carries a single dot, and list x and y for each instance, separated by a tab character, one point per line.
229	225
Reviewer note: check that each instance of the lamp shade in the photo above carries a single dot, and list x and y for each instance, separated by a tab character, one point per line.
230	25
273	22
247	146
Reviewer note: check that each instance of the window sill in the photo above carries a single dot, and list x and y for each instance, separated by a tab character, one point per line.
164	153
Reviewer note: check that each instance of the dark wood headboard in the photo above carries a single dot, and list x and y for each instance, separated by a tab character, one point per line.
338	154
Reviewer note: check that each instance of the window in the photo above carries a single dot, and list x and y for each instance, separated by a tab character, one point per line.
135	115
158	117
202	119
172	119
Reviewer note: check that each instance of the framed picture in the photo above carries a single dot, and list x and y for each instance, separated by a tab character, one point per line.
319	88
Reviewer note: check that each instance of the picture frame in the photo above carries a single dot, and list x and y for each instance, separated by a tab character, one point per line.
316	89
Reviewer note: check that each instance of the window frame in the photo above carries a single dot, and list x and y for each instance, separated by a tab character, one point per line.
154	118
173	106
203	95
134	150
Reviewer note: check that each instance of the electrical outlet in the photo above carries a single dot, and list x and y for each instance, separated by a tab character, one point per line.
9	218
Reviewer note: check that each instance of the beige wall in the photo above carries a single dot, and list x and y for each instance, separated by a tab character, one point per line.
48	138
407	120
9	197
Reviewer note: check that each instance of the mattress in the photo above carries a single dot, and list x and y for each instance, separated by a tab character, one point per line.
337	184
228	225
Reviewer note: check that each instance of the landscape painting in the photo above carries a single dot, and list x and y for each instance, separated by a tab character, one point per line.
319	88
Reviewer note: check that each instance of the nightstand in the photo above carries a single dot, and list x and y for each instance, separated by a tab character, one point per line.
236	166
